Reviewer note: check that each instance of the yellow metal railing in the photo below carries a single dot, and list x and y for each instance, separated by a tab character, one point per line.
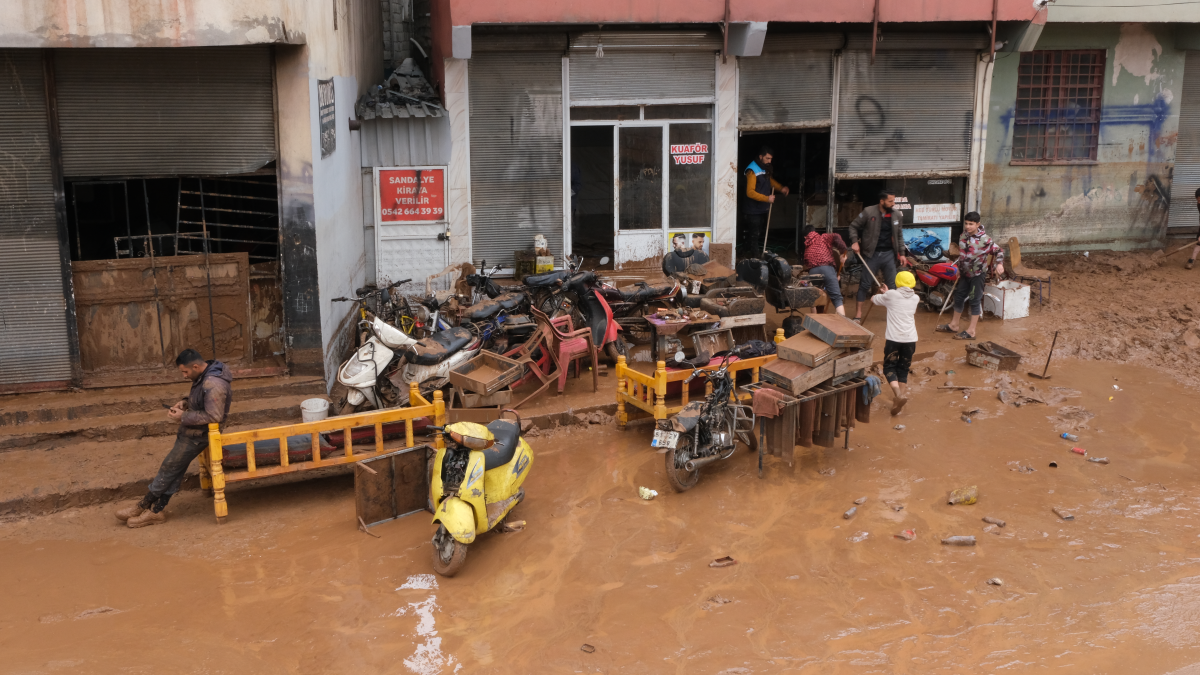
214	477
648	392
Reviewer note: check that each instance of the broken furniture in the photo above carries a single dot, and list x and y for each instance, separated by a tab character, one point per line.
816	416
392	485
483	381
537	363
1028	274
1006	299
641	395
568	345
991	356
667	331
214	476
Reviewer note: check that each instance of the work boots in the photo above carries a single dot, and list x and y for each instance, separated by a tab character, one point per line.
147	517
132	511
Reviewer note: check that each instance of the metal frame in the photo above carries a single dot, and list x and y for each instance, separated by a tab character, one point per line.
444	222
1061	80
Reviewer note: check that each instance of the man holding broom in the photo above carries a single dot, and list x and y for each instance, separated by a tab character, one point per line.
877	236
760	195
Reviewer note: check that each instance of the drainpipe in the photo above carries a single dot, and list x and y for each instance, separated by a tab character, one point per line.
983	96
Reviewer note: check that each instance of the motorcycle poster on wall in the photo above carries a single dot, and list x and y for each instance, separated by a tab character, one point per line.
927	243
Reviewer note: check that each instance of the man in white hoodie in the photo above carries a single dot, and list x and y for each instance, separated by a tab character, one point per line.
900	339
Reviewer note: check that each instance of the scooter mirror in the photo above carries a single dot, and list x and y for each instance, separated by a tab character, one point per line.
679	356
604	260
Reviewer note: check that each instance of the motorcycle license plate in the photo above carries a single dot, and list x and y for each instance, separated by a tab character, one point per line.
664	439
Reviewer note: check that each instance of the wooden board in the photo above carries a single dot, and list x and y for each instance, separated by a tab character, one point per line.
795	377
804	348
838	331
392	485
743	320
853	361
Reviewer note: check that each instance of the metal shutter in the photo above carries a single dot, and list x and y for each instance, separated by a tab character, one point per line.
516	131
1186	179
789	87
642	76
34	346
156	112
910	113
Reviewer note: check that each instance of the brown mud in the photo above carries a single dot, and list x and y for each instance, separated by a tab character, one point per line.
289	585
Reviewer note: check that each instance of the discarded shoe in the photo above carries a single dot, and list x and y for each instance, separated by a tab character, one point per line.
132	511
146	518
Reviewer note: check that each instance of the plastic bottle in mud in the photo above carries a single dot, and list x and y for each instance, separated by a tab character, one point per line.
1070	437
960	541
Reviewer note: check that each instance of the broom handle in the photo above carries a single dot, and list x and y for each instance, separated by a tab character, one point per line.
767	232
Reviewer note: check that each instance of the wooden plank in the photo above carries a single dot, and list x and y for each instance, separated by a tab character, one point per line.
743	320
795	378
805	348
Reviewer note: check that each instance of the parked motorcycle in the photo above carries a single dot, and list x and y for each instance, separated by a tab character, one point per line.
474	483
935	283
704	431
363	373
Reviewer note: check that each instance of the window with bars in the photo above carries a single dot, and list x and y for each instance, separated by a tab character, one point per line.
1057	117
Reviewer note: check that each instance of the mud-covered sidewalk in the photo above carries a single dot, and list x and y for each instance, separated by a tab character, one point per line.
290	586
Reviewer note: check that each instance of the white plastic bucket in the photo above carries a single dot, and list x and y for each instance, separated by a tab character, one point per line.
314	410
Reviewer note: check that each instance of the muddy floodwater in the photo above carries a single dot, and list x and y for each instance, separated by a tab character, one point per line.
290	586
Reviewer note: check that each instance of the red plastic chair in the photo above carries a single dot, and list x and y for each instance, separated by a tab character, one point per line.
536	356
569	346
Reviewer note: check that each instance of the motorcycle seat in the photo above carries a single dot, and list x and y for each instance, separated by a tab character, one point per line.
508	439
439	346
646	292
488	307
547	279
687	419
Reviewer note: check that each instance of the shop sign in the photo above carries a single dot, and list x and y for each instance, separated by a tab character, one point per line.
936	213
326	111
416	195
902	203
689	154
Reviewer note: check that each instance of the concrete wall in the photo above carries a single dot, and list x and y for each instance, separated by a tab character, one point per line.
1105	11
1114	203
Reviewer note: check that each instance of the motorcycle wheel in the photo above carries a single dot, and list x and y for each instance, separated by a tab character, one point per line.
681	479
449	555
933	252
616	348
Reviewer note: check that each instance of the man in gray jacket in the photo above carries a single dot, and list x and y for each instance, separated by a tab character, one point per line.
207	403
877	235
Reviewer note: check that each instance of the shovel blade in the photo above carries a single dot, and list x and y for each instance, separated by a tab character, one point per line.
1040	377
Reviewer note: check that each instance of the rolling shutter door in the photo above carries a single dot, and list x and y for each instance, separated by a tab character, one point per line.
165	112
790	86
1186	179
910	113
516	131
34	345
659	67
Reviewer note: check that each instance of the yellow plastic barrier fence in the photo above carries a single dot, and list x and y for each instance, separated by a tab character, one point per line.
648	393
213	476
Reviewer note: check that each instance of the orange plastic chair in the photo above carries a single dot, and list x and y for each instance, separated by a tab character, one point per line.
569	346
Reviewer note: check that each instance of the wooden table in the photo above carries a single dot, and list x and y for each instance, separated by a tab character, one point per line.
661	329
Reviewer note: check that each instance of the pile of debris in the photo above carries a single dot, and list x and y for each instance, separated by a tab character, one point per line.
405	93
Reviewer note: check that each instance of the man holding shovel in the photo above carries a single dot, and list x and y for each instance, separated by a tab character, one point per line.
760	196
877	237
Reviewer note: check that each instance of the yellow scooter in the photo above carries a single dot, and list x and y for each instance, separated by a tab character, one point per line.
475	482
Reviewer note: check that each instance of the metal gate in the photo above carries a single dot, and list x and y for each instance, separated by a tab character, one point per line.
790	86
1186	179
516	136
908	114
165	112
34	342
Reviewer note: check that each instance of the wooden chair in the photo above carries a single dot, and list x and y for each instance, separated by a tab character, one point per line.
1028	274
568	345
536	355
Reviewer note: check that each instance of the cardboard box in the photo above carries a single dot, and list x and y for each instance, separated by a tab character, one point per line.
793	377
545	263
838	331
804	348
853	361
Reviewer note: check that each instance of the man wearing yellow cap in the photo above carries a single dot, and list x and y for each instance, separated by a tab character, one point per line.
900	339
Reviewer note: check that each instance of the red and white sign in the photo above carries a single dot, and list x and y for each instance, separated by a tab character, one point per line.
689	154
412	195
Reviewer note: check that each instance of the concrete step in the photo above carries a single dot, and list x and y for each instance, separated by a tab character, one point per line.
19	410
148	423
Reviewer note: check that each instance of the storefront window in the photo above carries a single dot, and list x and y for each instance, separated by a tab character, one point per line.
640	168
690	183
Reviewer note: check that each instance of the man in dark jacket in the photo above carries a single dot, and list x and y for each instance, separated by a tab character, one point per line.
877	235
207	403
760	195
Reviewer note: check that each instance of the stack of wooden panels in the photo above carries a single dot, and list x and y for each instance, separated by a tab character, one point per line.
832	349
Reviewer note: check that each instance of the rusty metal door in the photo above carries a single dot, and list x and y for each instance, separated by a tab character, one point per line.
136	315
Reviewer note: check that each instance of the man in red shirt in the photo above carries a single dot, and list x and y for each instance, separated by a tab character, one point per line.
818	258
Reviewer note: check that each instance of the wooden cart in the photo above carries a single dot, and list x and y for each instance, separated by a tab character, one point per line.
814	417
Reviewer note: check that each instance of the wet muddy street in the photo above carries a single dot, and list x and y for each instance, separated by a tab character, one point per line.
289	585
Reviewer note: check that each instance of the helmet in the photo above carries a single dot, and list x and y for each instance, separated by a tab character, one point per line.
905	279
471	434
